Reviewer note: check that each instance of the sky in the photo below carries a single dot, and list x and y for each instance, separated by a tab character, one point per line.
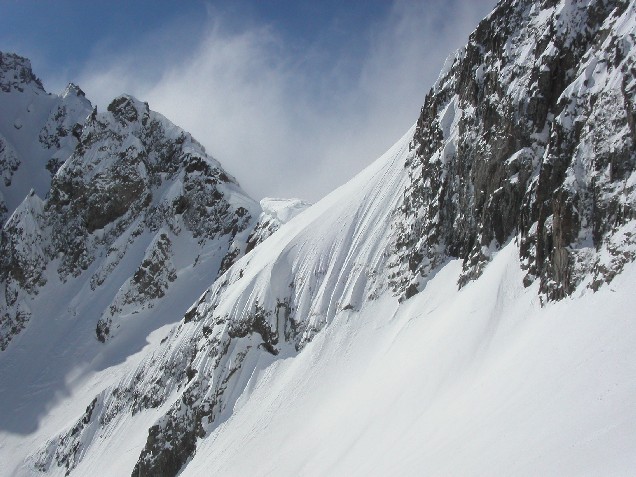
292	97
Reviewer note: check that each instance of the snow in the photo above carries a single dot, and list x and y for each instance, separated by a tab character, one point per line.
53	368
447	67
24	115
478	381
283	210
482	381
43	392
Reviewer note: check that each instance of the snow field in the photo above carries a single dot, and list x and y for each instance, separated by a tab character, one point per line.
481	381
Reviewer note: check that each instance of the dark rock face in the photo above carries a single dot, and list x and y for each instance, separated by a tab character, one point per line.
172	441
45	124
9	162
125	188
150	282
69	461
22	264
514	139
263	229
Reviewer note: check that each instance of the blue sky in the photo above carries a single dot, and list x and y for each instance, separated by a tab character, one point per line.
70	31
293	97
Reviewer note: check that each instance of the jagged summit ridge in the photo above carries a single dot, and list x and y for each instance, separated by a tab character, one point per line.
16	74
73	90
132	173
38	131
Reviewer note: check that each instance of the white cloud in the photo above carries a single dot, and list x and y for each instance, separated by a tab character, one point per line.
287	121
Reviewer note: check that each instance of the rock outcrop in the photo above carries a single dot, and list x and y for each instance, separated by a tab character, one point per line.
528	133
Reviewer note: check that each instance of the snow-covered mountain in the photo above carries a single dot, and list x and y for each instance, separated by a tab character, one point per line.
123	222
529	131
464	306
136	204
38	131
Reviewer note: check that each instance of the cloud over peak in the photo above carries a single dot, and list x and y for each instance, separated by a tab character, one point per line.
288	117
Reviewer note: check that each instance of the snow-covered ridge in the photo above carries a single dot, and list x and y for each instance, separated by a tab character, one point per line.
132	178
328	261
283	210
38	131
134	224
276	212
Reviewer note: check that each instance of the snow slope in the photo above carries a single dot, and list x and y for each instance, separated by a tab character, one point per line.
478	381
481	381
268	305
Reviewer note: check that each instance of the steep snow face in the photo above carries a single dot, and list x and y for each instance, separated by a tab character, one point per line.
477	382
38	131
328	260
530	130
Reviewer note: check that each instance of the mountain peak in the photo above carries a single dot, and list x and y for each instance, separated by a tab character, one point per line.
73	90
407	323
16	73
127	108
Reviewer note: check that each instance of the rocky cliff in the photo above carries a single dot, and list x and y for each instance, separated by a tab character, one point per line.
528	134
